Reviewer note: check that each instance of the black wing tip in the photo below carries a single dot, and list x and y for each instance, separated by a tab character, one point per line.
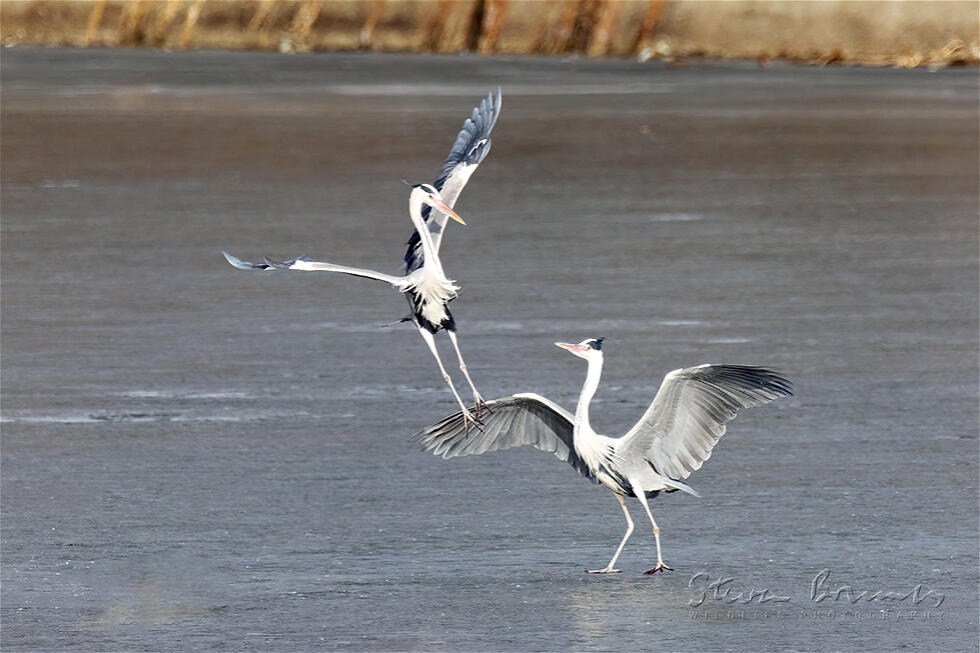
492	109
749	377
467	148
493	103
243	265
446	424
434	429
764	378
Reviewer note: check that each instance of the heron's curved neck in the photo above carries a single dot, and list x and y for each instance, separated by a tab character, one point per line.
428	248
588	391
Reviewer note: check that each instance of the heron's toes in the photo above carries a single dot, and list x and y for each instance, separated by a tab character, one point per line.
607	570
660	567
471	421
479	406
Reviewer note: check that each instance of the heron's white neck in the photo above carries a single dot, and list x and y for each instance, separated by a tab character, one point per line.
428	248
588	391
592	447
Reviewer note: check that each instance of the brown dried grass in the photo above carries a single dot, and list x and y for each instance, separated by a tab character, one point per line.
886	32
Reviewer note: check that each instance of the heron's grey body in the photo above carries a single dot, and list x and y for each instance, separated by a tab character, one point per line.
673	439
423	280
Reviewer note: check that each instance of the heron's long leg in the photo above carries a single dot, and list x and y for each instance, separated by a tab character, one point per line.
629	531
477	399
656	535
431	342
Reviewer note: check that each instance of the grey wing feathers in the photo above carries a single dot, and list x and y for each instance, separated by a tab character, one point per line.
470	148
689	413
514	421
472	143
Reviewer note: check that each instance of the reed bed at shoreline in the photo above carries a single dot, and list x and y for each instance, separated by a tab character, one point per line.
889	32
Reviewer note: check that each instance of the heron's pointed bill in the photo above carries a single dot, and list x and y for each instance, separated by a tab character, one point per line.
442	206
575	349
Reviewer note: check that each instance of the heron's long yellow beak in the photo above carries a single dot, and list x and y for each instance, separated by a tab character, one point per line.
442	206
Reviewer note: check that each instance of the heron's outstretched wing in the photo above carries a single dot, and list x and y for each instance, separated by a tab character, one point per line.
689	413
471	147
509	422
305	263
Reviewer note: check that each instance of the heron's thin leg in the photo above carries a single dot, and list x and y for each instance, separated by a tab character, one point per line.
656	534
629	531
477	399
431	342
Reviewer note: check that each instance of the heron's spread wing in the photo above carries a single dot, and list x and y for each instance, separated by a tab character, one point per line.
510	422
689	413
306	264
471	147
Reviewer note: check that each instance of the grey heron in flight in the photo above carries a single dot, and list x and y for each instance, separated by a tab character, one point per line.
422	278
673	438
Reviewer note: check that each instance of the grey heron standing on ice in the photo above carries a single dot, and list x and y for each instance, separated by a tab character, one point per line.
422	279
673	438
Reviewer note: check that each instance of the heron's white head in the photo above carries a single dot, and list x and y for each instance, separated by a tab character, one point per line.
426	194
590	348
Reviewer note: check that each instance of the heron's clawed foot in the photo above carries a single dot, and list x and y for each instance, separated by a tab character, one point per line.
660	567
607	570
471	421
479	406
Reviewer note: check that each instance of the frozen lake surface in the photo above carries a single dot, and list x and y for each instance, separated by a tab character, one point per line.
198	458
